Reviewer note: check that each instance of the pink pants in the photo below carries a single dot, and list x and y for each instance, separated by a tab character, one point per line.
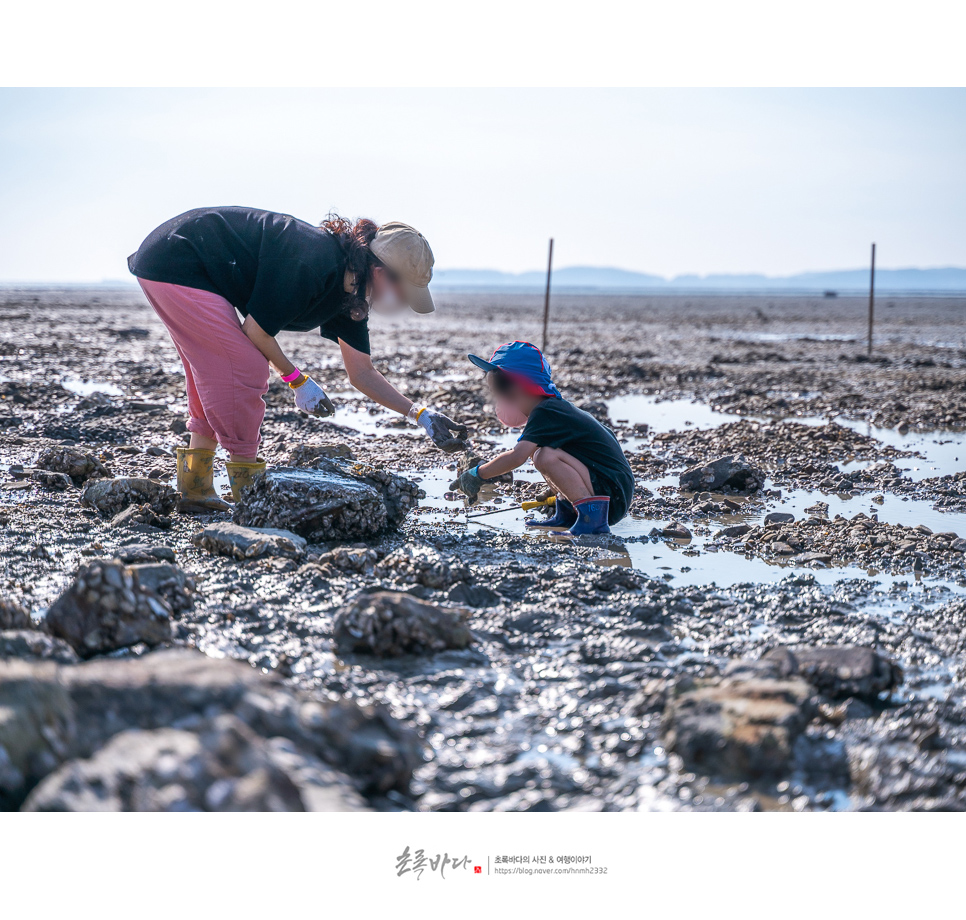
227	376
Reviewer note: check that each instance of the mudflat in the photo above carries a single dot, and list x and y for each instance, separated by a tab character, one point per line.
779	623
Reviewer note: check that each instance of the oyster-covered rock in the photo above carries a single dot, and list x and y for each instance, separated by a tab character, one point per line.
423	565
110	496
79	465
330	502
107	608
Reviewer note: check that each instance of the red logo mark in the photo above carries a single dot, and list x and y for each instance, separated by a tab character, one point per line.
478	870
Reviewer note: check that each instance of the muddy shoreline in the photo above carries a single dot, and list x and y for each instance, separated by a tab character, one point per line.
606	675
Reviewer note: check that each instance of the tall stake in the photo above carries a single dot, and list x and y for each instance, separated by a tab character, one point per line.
871	298
546	299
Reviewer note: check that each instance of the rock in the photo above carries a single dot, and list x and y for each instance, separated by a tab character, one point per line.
779	517
735	474
142	516
422	565
675	530
473	595
78	465
224	766
13	616
142	552
358	559
239	542
106	609
838	671
331	502
36	727
822	558
308	454
367	743
735	530
110	496
738	728
31	644
390	623
170	582
819	509
59	482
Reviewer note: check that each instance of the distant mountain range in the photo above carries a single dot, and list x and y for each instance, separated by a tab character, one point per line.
617	280
581	278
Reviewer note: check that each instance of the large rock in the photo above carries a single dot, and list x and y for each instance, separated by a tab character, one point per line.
224	766
239	542
36	727
178	687
106	608
838	671
390	623
74	463
729	473
331	502
188	721
738	729
110	496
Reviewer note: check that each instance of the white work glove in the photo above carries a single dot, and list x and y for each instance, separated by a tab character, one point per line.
311	398
440	429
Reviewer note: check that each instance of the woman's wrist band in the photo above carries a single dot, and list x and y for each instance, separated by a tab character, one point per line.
289	378
414	413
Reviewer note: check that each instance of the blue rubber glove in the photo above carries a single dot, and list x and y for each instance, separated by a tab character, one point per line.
469	482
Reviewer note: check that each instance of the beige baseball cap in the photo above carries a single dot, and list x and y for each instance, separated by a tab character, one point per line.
405	251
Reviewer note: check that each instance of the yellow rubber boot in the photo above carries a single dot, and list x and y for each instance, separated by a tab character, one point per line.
196	482
241	473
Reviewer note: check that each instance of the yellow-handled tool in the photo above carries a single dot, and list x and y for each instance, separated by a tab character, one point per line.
529	506
525	506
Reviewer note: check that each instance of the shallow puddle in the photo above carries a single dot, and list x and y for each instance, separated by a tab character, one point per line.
89	387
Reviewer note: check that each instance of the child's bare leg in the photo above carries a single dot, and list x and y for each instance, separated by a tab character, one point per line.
565	473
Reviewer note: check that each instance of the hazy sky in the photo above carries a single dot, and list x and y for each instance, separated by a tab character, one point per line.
661	181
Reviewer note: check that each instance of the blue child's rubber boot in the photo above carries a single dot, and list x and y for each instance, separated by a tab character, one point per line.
564	515
591	515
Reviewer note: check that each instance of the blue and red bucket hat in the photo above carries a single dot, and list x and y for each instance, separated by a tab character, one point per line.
523	363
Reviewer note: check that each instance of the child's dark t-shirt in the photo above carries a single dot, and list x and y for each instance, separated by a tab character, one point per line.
560	424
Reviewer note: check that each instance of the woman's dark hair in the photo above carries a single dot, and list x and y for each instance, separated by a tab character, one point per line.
354	238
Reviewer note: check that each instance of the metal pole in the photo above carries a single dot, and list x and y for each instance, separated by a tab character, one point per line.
546	299
871	298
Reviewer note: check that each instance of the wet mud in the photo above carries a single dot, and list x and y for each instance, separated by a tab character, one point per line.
790	640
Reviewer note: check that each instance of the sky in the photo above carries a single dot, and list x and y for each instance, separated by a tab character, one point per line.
660	181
